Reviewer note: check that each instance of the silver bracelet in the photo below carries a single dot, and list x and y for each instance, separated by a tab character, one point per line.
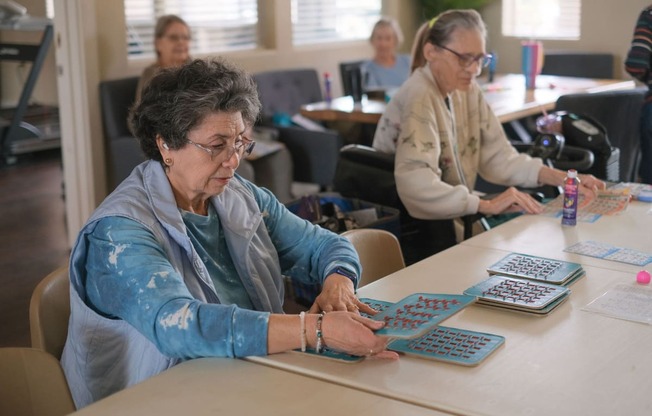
319	347
302	317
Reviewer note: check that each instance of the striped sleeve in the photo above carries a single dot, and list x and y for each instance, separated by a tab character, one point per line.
638	59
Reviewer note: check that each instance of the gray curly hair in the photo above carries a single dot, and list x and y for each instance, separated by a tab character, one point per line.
178	99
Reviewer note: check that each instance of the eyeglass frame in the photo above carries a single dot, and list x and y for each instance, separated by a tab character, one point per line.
246	147
464	57
177	38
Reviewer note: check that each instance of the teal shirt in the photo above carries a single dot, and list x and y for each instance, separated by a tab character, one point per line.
377	76
208	239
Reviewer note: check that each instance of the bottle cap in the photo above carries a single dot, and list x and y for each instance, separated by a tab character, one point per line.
572	173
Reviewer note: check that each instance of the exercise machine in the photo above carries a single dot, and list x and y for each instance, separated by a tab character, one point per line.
26	129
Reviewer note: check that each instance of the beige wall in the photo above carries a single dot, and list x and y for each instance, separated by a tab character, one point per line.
607	27
276	53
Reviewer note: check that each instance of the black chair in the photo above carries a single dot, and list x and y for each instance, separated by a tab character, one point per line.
574	64
367	174
619	113
122	149
349	70
314	153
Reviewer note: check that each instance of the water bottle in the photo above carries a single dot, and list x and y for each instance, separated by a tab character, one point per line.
571	194
327	87
492	67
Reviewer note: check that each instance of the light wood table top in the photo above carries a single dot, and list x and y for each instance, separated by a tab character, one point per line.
344	109
222	386
507	96
510	100
571	362
545	236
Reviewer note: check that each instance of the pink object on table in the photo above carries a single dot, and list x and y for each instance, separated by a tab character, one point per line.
643	277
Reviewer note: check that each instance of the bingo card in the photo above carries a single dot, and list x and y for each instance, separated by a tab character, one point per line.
537	268
517	294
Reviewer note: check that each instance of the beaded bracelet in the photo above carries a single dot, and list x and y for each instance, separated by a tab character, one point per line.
302	317
319	347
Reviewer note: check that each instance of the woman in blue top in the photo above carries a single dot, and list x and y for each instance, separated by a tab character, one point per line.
186	259
387	69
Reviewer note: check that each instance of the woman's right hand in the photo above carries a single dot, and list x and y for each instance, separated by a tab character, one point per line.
354	334
511	200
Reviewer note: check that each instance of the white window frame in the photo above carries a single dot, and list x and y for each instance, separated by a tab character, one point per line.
216	25
542	19
327	21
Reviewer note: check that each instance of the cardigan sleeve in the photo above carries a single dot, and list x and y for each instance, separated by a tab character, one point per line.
130	278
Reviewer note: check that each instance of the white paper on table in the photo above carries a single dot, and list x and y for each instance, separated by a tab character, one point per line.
628	302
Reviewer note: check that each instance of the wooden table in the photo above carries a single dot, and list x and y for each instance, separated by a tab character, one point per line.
221	386
507	96
344	109
571	362
545	236
510	100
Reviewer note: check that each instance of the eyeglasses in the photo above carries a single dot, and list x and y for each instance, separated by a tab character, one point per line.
467	59
241	147
177	38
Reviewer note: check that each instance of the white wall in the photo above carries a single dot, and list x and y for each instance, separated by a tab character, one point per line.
277	53
607	27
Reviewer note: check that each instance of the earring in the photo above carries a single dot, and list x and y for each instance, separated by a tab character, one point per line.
168	161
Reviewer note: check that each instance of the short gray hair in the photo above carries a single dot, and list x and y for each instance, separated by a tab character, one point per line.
388	22
178	99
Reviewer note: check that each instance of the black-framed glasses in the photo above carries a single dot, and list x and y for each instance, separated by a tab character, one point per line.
241	147
467	59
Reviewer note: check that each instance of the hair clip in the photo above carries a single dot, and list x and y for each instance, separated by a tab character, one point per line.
432	22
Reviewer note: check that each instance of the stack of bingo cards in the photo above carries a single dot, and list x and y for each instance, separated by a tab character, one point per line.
532	62
532	284
523	266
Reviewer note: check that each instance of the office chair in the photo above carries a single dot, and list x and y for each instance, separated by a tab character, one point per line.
122	149
49	312
379	251
619	113
314	153
578	64
32	383
349	70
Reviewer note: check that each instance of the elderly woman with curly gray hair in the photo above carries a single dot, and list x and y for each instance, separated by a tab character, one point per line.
186	259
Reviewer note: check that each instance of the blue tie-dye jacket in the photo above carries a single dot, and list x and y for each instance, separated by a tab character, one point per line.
162	306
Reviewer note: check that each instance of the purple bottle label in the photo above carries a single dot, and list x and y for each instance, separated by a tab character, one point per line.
569	210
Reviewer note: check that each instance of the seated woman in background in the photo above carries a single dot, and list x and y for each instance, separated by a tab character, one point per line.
172	46
186	259
387	68
444	133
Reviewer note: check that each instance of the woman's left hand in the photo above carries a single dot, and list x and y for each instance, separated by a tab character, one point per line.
338	294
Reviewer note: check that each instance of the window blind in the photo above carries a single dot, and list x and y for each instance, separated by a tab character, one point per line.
215	25
320	21
542	19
